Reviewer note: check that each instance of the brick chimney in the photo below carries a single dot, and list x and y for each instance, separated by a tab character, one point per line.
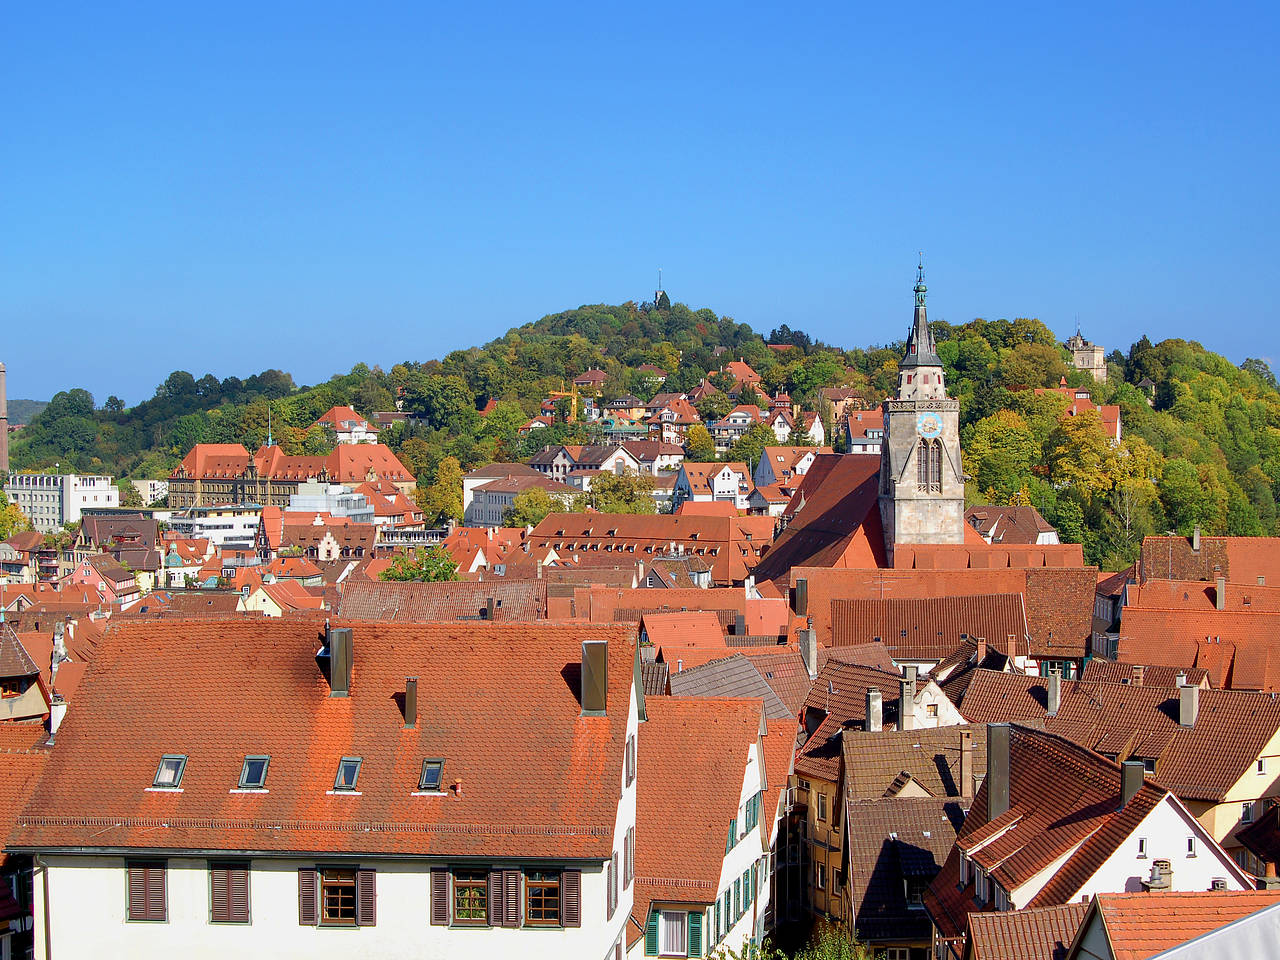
982	651
1188	705
997	770
1132	773
595	677
966	764
907	700
875	711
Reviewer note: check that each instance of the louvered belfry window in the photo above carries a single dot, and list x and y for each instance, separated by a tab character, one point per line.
929	466
229	892
147	895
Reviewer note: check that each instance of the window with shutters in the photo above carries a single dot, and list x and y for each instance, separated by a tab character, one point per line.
338	897
148	898
631	759
673	934
229	892
471	897
542	897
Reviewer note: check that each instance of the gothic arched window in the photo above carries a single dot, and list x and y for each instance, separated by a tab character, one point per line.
929	466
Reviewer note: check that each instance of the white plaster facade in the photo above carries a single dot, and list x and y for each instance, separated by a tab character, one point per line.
51	500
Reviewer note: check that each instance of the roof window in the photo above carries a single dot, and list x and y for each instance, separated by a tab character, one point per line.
169	773
253	775
432	775
348	773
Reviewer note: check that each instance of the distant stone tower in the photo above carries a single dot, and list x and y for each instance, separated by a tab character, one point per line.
1087	356
4	429
921	478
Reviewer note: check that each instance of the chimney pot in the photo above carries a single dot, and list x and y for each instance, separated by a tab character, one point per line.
875	711
1161	875
1220	594
1132	773
1181	679
411	703
1188	706
1138	670
997	770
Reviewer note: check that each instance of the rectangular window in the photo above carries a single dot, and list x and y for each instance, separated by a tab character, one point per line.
1191	846
1246	812
229	892
1262	766
631	759
169	773
471	897
822	806
542	897
338	897
1142	848
822	876
673	933
148	898
432	775
348	773
253	775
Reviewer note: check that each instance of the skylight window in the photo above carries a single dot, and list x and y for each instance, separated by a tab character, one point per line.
253	775
432	775
348	773
169	773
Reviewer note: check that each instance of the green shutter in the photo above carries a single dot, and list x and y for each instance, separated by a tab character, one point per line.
737	898
717	930
733	835
695	934
651	935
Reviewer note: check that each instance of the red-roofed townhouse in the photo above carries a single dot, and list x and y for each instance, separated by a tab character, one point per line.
742	373
701	870
1054	822
864	430
713	482
183	559
101	572
279	598
785	464
22	692
735	423
347	425
380	798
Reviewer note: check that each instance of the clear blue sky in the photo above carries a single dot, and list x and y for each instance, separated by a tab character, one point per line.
305	186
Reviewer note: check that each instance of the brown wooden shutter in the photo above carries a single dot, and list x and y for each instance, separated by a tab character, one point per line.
238	893
511	898
219	896
308	911
571	898
137	892
608	890
366	909
440	897
495	898
155	891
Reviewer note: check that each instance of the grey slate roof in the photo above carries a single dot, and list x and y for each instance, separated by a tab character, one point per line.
733	676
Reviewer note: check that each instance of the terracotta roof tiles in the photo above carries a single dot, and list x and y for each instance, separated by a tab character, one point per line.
1141	925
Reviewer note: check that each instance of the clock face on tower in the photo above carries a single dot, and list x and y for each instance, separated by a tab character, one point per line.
928	425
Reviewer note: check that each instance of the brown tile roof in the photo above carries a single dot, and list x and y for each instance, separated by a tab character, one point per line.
890	841
702	745
496	470
931	755
1141	925
1197	595
1042	933
653	674
499	701
1064	807
1262	837
15	661
1008	524
1113	671
836	520
929	629
733	676
523	600
844	704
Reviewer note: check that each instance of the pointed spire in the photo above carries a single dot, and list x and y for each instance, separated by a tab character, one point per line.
921	351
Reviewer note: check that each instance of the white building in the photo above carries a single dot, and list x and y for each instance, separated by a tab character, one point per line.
380	799
332	498
52	500
151	490
709	482
230	526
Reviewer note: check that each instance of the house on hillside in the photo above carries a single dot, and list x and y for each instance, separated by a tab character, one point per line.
713	482
347	425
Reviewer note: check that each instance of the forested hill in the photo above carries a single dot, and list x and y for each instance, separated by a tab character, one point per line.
1203	448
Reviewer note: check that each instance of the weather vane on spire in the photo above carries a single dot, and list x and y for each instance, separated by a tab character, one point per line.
921	289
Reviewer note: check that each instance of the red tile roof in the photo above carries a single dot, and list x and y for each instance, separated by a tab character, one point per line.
1043	933
929	629
1212	640
513	600
1141	925
839	697
498	701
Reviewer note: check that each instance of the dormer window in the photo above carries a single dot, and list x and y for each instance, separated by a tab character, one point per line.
169	773
432	775
348	773
253	775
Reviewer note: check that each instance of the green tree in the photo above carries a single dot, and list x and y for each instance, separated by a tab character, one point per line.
999	452
748	447
424	565
716	406
129	495
442	500
627	492
529	508
12	520
698	445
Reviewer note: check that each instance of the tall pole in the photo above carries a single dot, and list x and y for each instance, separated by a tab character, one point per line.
4	429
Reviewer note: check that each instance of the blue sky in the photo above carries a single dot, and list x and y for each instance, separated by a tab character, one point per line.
306	186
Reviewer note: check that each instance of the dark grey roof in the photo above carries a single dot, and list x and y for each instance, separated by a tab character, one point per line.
733	676
653	674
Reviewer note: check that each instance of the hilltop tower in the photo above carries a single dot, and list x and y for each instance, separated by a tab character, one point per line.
1087	356
921	478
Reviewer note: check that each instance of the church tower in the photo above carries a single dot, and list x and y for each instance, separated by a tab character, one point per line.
921	479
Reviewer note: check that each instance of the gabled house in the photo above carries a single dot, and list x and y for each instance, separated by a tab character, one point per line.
347	425
864	430
377	798
713	482
785	464
654	456
22	693
116	584
1000	524
735	423
1178	926
1054	822
699	851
